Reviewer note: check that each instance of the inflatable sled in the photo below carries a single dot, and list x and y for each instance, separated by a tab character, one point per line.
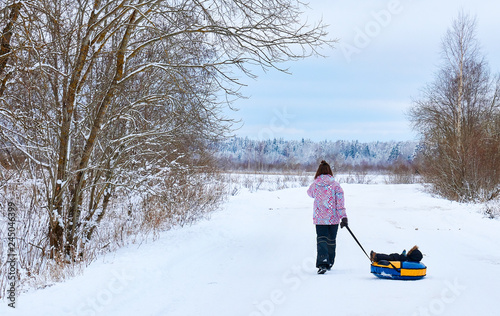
398	270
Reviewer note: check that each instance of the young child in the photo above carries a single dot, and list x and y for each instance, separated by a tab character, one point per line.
413	255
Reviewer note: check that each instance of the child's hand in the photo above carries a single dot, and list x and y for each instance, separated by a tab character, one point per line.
343	223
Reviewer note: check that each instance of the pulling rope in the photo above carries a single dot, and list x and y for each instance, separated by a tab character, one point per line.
347	226
390	263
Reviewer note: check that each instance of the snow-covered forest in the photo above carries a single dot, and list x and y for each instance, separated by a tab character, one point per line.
304	155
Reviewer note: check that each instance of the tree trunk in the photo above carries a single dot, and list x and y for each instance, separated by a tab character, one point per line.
68	106
75	207
5	48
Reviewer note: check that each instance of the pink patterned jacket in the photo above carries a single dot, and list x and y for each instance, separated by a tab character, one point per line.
328	200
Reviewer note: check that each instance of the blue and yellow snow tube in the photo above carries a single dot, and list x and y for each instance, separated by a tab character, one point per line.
398	270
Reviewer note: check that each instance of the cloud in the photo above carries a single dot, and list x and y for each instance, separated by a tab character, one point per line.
367	97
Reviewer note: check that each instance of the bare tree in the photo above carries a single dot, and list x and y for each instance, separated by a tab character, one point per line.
11	14
101	92
454	116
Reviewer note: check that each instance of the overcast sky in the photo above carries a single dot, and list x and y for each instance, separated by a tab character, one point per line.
387	52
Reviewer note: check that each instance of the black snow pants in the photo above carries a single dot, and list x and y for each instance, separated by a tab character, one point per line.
326	236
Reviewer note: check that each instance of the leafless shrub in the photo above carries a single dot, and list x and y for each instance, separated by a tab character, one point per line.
183	200
305	180
403	172
356	177
492	208
259	182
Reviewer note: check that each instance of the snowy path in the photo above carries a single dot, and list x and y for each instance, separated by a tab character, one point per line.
256	258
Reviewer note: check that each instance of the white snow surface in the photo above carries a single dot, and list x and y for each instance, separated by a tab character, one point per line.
256	257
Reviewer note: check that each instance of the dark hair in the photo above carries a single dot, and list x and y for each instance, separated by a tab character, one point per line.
324	168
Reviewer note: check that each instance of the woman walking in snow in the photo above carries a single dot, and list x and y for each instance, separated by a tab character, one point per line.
329	212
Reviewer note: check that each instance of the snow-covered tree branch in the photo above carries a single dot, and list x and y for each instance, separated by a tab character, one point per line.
114	96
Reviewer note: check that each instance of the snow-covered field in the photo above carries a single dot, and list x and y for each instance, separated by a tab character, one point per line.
256	257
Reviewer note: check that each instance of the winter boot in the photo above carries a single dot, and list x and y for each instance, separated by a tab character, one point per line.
322	270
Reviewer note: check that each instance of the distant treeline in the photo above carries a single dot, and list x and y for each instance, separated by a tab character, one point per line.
278	154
